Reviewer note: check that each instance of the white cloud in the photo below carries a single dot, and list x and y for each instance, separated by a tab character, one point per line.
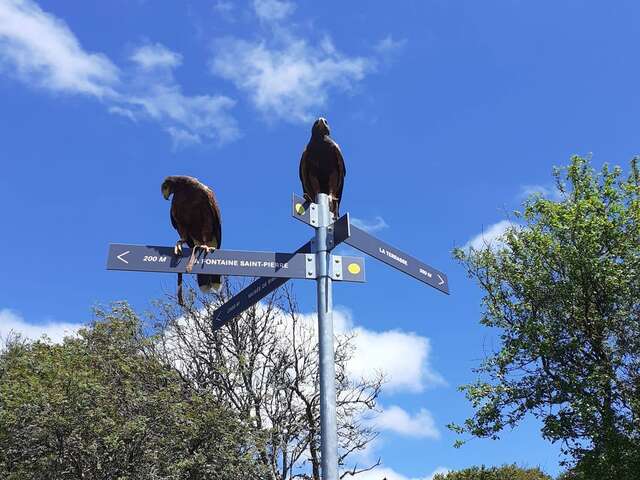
290	81
196	117
370	225
397	420
12	323
388	45
156	56
551	193
402	356
390	474
43	51
491	237
273	10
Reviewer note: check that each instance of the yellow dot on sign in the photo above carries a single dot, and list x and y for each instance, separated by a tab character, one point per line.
299	209
353	268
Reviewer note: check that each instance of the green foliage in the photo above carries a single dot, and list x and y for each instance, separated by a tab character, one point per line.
564	292
101	406
506	472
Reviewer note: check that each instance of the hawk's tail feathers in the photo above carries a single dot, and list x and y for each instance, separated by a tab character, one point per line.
208	283
179	293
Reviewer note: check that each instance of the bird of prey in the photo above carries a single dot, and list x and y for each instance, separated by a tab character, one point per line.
196	216
322	167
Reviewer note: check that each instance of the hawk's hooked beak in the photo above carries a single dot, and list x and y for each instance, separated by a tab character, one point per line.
166	193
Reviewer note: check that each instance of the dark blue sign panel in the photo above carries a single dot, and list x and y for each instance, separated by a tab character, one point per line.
148	258
340	229
250	295
396	258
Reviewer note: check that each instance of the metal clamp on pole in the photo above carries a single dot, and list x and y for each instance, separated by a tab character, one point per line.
328	422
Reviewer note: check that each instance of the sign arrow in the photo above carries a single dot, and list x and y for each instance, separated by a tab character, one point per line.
120	257
397	259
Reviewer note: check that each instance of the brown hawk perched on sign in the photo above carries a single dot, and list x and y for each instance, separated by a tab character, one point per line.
196	216
322	167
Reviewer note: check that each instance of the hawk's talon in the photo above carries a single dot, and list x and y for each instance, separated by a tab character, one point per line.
177	250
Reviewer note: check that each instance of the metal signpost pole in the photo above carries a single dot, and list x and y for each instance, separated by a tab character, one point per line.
328	423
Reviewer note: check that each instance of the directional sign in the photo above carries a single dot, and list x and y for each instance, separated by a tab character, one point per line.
146	258
250	295
245	299
307	212
392	256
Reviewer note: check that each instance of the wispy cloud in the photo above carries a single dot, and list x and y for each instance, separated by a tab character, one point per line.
154	56
289	80
397	420
389	45
370	226
285	75
273	10
12	323
224	8
43	52
551	193
182	138
189	119
491	237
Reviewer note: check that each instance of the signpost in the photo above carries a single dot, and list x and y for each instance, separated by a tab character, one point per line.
312	261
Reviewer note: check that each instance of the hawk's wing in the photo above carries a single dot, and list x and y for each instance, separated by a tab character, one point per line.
341	168
303	171
173	220
216	219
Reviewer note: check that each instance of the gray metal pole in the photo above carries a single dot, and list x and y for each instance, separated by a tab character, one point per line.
328	422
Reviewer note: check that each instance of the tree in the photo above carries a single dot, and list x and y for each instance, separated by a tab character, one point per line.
101	406
264	366
506	472
563	288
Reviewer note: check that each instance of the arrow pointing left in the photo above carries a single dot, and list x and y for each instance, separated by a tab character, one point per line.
121	256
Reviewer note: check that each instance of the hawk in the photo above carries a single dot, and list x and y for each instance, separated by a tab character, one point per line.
322	167
196	216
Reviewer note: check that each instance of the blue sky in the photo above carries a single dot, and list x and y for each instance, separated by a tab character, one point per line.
447	113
